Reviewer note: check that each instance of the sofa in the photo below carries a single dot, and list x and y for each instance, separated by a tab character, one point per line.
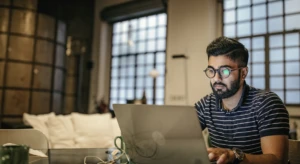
75	130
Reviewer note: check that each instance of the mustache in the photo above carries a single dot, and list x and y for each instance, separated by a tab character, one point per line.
216	83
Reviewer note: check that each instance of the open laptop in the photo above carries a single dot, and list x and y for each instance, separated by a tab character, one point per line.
161	134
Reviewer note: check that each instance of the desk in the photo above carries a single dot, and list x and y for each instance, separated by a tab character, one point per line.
72	156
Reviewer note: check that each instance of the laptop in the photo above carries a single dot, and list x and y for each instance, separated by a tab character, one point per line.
161	134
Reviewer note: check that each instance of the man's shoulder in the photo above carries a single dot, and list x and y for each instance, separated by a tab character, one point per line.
262	96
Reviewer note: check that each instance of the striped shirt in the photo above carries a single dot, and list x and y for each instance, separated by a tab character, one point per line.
259	113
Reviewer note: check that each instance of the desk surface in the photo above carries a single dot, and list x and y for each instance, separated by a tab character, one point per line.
72	156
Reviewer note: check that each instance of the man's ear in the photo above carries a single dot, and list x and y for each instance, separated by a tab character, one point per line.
244	72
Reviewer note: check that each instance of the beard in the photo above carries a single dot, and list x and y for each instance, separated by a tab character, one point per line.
234	87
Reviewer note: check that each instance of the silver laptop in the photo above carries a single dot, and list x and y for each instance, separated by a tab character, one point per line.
161	134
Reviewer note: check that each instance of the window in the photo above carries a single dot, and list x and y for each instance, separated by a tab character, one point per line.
270	29
138	47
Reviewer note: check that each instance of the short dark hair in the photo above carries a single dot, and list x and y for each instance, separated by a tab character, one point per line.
231	48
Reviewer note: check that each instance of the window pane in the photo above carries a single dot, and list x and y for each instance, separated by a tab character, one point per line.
229	16
114	72
140	82
276	41
114	82
292	68
276	68
149	68
280	94
114	62
131	71
123	71
130	83
160	57
275	8
151	45
152	21
292	6
258	56
149	95
131	60
276	83
244	29
151	33
293	97
259	27
161	44
292	22
123	49
161	32
228	4
117	27
159	102
133	24
123	61
244	14
258	69
125	25
150	58
275	24
139	93
149	82
229	30
122	82
292	53
292	39
141	47
115	51
142	35
113	93
258	82
292	82
142	23
116	39
160	81
122	94
141	59
161	69
140	71
130	94
162	19
124	38
245	42
258	1
259	11
112	102
276	54
243	3
159	93
258	43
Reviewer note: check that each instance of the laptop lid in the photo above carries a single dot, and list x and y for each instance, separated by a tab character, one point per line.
161	134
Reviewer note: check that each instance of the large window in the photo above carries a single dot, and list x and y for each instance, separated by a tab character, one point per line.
270	30
138	47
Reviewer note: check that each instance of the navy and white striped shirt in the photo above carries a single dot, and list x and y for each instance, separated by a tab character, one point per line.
259	113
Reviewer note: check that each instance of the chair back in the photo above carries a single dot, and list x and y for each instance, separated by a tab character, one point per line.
30	137
294	151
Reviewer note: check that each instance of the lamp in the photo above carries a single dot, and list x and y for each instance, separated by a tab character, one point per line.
154	74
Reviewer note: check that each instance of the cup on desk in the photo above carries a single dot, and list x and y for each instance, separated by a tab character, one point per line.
14	154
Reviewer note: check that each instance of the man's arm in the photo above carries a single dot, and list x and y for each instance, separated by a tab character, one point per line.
274	148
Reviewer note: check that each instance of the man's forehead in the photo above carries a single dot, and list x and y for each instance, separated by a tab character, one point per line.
219	61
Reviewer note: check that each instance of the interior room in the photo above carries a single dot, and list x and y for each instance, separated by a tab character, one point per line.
64	63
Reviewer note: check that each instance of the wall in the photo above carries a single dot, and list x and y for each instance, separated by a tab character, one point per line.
192	24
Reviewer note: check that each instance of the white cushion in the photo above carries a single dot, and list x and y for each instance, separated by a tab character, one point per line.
61	131
38	122
115	128
93	130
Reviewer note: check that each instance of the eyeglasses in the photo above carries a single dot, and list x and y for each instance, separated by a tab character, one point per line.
223	72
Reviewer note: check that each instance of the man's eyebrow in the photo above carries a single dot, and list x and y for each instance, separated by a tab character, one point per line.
209	66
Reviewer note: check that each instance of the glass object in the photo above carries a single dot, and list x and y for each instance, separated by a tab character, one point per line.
244	29
275	8
292	54
259	27
161	44
258	1
151	33
258	56
293	97
258	82
258	69
151	45
229	30
259	11
160	57
275	24
149	58
292	22
276	69
292	68
243	3
229	4
229	16
224	72
246	42
276	82
258	43
243	14
291	6
152	21
292	39
276	41
276	55
292	82
162	19
142	23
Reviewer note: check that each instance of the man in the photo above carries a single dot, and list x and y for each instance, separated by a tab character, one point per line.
245	124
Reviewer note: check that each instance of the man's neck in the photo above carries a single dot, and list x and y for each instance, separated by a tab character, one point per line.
231	102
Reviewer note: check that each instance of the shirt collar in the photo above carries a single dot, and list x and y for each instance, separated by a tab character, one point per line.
242	99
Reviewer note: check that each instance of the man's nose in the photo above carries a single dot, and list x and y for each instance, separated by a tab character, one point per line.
217	77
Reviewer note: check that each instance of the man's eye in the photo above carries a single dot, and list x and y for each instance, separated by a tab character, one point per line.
226	71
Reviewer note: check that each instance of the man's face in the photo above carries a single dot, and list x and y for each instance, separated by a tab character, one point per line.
224	87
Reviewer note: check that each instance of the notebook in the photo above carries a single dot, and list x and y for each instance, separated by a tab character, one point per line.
161	134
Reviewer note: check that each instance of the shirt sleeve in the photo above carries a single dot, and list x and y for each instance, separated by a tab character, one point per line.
273	118
200	112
